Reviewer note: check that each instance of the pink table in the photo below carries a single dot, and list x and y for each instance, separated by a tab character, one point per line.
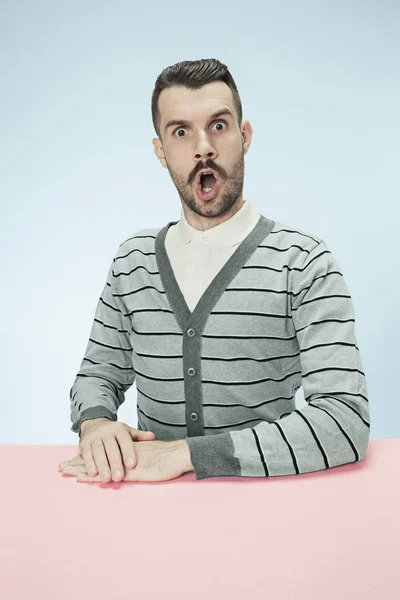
328	535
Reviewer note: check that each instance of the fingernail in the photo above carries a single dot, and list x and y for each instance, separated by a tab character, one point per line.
130	462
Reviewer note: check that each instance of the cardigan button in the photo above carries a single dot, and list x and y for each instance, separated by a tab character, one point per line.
191	371
191	332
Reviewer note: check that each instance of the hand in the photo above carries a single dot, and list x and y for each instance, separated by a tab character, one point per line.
156	461
101	445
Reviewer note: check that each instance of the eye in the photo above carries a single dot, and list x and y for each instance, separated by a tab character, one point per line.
183	128
225	123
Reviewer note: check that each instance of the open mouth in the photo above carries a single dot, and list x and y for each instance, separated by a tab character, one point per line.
207	182
207	186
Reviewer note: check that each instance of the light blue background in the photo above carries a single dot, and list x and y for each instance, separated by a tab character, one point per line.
319	82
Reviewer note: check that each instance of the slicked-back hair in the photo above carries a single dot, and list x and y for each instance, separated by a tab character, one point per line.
193	74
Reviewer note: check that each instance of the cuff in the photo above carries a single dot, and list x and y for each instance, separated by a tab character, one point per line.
213	456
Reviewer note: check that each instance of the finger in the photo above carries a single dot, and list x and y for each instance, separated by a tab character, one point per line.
127	449
139	435
77	457
114	457
87	454
72	461
85	477
77	460
101	459
128	476
74	470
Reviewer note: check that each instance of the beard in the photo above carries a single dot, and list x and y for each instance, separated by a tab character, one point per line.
229	193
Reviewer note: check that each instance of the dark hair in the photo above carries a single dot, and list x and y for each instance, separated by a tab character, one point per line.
193	74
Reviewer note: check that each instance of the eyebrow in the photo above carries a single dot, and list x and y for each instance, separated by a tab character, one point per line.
223	111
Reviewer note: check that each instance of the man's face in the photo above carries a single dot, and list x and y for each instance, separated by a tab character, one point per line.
203	143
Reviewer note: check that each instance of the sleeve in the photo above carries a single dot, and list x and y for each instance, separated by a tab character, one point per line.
333	429
106	371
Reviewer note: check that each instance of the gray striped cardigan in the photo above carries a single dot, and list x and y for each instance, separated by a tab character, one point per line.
276	317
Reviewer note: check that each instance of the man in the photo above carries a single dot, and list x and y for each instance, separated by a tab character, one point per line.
219	318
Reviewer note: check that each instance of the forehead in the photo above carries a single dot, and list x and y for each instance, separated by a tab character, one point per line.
187	104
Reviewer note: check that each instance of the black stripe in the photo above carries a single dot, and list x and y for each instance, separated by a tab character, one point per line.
341	429
259	448
324	456
228	427
218	405
296	466
171	379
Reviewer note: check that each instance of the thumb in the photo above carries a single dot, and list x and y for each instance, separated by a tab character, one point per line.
140	435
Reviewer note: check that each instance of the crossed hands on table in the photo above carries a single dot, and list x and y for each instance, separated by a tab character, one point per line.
106	444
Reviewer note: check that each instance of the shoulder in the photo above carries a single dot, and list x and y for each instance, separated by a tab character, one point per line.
143	240
286	236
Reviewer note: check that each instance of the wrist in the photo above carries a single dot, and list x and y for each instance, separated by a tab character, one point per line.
182	449
85	424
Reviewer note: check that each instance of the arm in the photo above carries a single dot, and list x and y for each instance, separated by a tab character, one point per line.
333	429
106	371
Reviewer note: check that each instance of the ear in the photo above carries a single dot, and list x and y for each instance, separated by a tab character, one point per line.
247	133
159	152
